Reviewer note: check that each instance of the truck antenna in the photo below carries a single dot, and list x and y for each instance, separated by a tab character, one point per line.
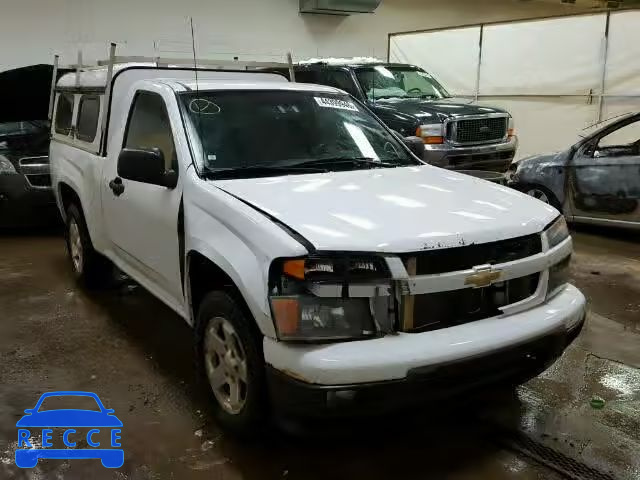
193	49
197	99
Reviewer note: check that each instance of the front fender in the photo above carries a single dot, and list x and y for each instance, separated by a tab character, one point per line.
240	240
547	170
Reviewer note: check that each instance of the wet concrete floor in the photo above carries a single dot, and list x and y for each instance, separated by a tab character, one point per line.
136	355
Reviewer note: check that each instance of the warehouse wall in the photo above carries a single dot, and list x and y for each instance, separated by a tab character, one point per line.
32	30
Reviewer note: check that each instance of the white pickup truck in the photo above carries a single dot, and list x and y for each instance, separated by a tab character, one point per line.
324	268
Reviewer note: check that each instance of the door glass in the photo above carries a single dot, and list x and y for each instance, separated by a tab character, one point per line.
149	127
621	142
88	112
64	113
341	80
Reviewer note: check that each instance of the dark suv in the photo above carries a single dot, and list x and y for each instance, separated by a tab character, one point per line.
26	198
456	134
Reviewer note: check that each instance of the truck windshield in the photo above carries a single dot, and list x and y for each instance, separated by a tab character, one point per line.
243	134
392	82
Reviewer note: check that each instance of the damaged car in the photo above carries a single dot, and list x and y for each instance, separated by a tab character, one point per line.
596	180
325	269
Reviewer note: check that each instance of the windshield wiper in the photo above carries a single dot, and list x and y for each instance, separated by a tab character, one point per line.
258	170
337	160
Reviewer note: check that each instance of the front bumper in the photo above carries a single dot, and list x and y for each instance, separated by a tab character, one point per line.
408	367
23	205
495	157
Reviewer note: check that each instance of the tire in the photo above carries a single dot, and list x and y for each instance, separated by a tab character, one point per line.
541	193
227	337
89	267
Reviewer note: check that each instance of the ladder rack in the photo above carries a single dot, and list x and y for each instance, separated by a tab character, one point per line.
197	63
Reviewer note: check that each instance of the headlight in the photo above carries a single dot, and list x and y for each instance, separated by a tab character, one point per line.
331	269
511	128
301	315
310	318
558	276
557	232
431	134
6	167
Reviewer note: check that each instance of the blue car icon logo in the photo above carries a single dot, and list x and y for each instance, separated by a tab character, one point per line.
69	420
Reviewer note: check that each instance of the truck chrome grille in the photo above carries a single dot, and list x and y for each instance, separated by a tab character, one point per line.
477	130
41	180
429	262
433	311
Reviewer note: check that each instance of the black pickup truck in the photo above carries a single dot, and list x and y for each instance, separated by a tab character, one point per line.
456	134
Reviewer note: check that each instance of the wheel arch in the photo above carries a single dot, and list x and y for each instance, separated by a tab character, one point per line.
68	196
204	275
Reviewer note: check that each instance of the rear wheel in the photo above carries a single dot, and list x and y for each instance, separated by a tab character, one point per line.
89	267
230	358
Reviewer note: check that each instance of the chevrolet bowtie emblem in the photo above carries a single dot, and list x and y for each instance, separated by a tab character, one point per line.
483	277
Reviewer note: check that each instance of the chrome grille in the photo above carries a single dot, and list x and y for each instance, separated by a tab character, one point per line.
429	262
478	130
36	171
433	311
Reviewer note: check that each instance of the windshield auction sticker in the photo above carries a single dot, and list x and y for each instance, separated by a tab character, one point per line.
336	103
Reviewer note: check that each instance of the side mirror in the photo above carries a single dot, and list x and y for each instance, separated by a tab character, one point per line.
109	411
29	410
147	166
416	145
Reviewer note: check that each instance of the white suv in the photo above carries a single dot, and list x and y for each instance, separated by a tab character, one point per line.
324	268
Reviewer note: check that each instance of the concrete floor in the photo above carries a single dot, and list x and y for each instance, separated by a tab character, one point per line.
136	354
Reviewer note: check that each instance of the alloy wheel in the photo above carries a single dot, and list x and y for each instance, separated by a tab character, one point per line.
226	365
75	246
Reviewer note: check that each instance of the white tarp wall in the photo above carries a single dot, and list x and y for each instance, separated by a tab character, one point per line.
548	73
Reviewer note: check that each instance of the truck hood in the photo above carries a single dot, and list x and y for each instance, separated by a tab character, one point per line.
393	210
427	111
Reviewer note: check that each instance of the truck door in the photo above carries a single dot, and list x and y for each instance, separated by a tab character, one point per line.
605	176
142	218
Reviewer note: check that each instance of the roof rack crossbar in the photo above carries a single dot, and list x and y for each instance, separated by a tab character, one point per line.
199	62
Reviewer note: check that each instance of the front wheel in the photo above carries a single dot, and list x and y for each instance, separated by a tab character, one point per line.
230	358
543	194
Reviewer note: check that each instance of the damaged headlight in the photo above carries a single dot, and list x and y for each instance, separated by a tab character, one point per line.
558	276
306	317
301	315
557	232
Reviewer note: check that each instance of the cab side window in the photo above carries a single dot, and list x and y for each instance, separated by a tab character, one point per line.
64	113
621	142
340	79
88	113
149	127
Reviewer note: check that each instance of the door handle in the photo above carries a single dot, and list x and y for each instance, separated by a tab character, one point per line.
117	186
